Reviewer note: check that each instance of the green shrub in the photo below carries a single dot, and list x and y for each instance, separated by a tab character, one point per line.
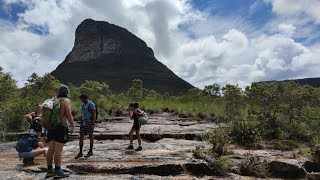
221	166
245	132
219	140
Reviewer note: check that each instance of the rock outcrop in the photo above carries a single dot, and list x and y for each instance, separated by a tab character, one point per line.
108	53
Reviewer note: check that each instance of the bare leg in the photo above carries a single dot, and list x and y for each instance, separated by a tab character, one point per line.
138	137
131	136
50	153
57	154
38	152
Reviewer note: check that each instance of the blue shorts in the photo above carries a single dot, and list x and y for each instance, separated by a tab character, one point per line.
26	154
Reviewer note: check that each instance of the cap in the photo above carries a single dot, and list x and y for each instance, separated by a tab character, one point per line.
63	89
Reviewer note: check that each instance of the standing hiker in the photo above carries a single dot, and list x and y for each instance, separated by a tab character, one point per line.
57	112
88	120
135	113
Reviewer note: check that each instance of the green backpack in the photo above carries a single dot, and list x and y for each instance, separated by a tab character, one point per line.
51	113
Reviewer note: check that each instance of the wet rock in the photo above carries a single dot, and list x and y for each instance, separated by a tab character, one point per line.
311	166
286	170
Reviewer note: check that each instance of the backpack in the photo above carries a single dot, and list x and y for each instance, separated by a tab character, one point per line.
26	143
36	124
143	119
51	113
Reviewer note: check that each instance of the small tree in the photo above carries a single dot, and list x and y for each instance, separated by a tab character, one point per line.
234	100
7	86
135	92
94	89
213	90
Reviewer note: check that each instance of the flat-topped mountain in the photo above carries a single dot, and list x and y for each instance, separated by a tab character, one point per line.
314	82
108	53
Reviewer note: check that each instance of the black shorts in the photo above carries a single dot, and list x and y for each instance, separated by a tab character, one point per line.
60	134
136	126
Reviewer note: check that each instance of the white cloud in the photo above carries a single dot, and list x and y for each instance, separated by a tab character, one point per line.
287	29
310	8
200	47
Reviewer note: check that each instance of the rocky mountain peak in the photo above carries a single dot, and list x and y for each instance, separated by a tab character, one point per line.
108	53
96	38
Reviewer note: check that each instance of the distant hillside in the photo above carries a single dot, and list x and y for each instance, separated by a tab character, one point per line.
108	53
314	82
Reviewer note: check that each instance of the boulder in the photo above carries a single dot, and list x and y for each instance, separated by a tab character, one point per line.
286	169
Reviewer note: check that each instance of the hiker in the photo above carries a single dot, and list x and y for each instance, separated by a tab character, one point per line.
58	135
29	146
135	113
34	118
88	120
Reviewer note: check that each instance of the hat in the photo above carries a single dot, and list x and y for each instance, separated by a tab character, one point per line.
63	89
83	96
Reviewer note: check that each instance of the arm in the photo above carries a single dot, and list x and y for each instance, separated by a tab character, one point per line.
28	117
94	116
68	114
139	112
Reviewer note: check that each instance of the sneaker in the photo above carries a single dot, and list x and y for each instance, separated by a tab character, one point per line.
79	155
139	148
130	147
90	153
28	161
50	173
61	174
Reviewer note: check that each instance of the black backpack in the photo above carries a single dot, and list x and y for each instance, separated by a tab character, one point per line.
36	124
27	143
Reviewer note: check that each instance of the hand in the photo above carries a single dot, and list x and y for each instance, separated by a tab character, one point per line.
93	125
72	129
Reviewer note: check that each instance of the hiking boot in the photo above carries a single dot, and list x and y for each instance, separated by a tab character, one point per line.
28	161
61	174
50	173
90	153
130	147
139	148
79	155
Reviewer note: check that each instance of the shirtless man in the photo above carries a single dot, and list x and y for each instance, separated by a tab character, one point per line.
59	136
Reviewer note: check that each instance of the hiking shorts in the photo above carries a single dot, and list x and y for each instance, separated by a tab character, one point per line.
24	155
136	125
60	134
86	127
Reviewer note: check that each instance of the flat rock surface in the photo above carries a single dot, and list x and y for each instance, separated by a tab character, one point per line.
167	158
164	158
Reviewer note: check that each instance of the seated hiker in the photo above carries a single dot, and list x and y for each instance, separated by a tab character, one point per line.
29	147
89	116
135	113
35	121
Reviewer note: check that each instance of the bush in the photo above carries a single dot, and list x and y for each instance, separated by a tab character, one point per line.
253	166
221	166
219	140
245	132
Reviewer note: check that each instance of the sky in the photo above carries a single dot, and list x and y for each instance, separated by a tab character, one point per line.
202	41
